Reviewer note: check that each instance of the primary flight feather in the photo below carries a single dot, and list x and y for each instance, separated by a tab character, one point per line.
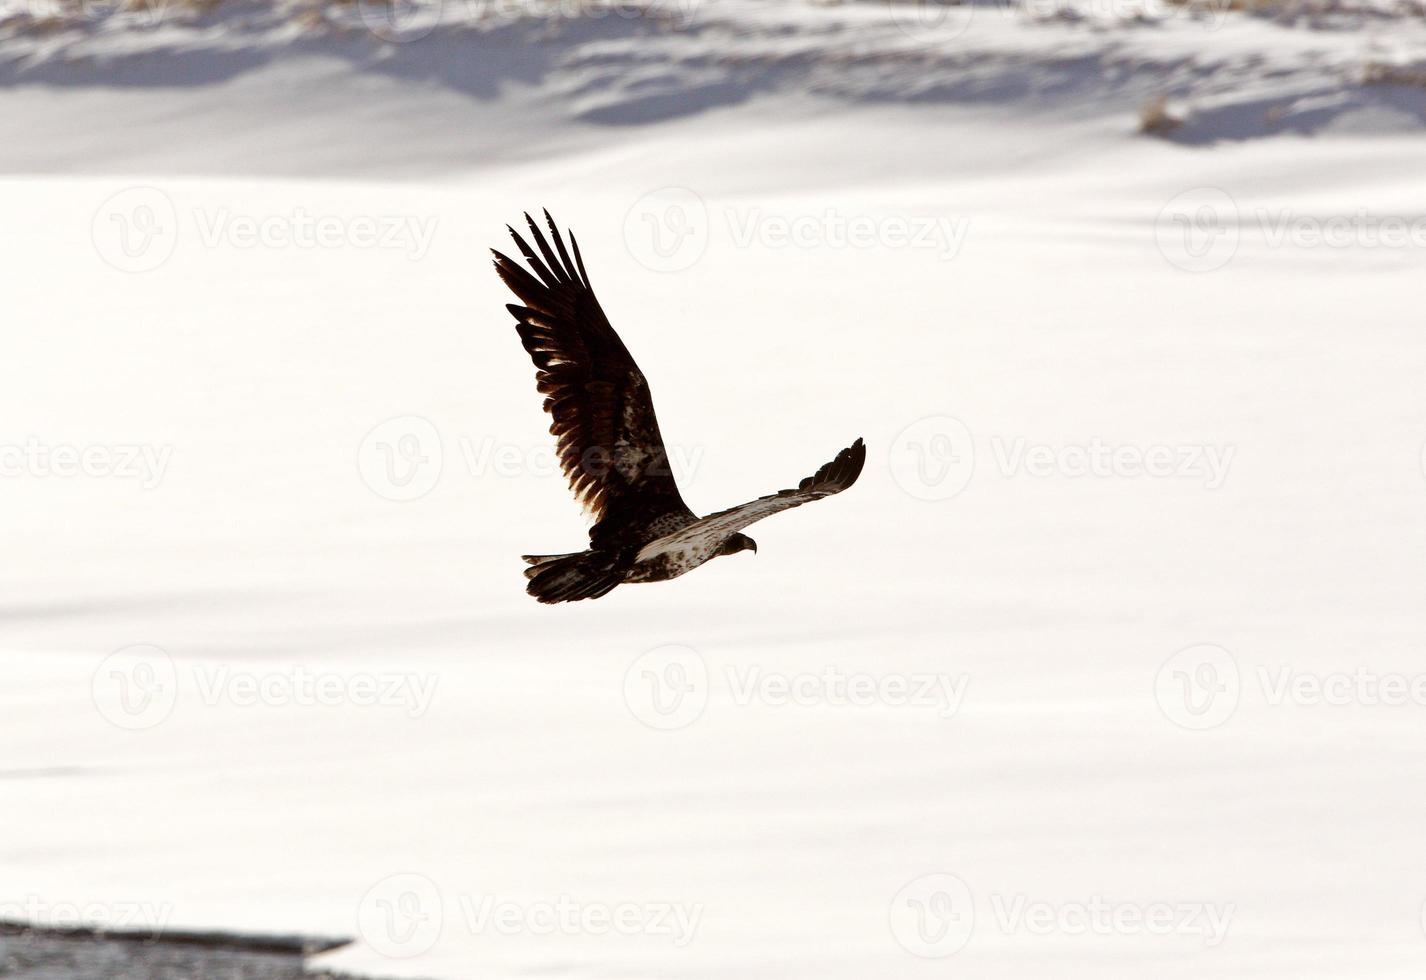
609	443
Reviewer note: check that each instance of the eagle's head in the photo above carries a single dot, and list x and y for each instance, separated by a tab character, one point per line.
737	543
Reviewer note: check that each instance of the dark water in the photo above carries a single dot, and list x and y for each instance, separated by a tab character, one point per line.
51	956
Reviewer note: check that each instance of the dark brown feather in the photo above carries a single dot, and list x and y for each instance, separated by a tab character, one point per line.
602	414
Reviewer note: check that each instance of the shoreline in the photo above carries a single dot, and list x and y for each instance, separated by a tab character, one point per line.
83	952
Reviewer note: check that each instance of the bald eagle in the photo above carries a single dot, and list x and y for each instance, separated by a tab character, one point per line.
609	443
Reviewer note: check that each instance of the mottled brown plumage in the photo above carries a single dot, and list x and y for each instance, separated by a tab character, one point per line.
609	443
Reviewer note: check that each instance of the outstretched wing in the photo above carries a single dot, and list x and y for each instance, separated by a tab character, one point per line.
603	415
713	530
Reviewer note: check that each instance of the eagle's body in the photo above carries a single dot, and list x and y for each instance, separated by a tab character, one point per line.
610	446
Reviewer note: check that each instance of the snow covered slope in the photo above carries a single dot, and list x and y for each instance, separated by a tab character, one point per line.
434	86
1109	667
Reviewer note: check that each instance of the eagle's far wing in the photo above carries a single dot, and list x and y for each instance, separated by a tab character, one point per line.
602	413
832	478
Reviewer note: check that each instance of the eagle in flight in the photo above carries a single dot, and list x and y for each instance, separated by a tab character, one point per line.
609	443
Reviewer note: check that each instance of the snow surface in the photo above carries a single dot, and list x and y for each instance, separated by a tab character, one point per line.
1031	280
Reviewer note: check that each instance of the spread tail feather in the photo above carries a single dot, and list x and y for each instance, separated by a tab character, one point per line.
569	578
